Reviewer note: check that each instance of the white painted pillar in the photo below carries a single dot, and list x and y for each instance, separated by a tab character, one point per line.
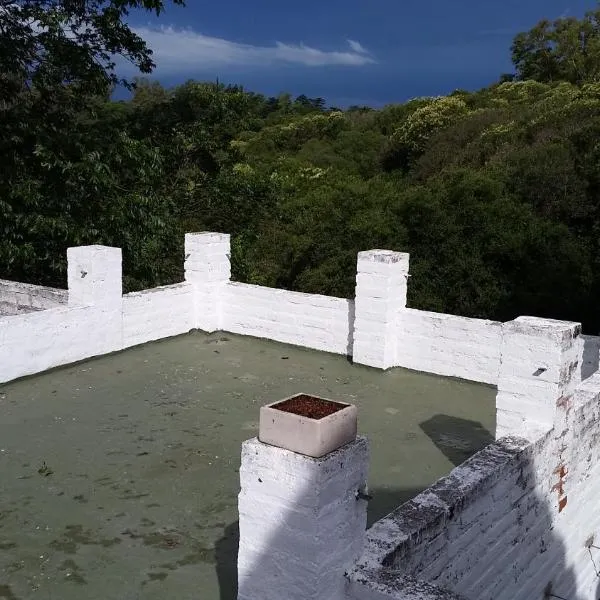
539	370
208	269
95	279
95	276
381	284
302	524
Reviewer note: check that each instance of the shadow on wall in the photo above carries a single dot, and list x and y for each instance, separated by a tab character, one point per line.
226	553
288	502
550	573
351	317
457	439
591	357
384	501
519	552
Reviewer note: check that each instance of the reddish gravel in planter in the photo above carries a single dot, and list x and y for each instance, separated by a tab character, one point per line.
309	406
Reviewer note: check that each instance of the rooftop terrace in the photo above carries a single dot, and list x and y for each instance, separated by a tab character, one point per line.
120	474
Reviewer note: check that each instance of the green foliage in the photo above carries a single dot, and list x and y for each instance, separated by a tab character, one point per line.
567	49
319	219
494	193
410	139
100	187
478	250
47	44
72	174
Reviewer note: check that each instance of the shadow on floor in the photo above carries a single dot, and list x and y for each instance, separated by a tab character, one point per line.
457	439
226	552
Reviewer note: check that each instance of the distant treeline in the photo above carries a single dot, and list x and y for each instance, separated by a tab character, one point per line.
496	193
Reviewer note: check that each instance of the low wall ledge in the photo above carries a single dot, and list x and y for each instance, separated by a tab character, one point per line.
392	537
384	584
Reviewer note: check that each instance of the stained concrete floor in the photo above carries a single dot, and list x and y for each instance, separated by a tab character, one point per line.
119	476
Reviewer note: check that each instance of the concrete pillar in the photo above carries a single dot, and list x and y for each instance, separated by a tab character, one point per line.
208	269
95	276
539	370
302	522
381	284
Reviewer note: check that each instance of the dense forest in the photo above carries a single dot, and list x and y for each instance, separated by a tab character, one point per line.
495	193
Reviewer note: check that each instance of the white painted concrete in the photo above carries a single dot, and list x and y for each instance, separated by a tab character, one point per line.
157	313
37	341
448	345
309	320
94	276
381	283
510	524
376	329
540	363
301	524
19	298
208	270
519	519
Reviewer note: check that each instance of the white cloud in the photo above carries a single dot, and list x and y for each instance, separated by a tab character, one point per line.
357	47
177	50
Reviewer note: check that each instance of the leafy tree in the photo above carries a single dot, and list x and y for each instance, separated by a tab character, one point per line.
99	187
478	251
567	49
149	93
48	43
319	221
494	193
410	139
65	178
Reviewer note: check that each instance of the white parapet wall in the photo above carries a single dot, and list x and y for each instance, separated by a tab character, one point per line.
381	283
34	342
448	345
519	519
90	325
207	270
19	298
309	320
516	521
157	313
375	328
540	364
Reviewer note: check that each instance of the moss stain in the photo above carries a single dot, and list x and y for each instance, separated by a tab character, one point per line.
76	535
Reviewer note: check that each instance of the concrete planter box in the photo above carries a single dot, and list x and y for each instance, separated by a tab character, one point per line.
308	424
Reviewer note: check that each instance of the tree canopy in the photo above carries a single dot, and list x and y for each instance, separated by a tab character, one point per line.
495	193
567	49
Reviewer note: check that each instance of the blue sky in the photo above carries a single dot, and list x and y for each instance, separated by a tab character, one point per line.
370	52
